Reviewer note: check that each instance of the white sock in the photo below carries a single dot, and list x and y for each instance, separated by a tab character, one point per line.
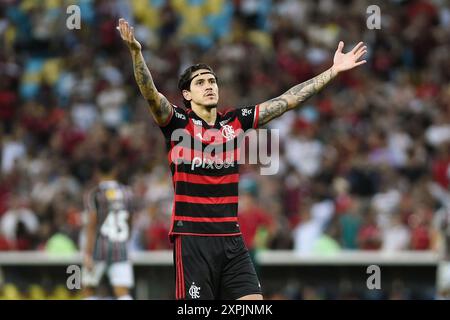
125	297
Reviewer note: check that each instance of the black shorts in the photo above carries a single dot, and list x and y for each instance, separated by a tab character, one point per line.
213	268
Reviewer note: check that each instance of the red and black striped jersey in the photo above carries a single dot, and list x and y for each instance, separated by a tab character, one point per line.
204	160
113	204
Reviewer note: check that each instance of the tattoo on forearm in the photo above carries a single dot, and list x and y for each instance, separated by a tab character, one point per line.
308	88
144	78
294	97
158	104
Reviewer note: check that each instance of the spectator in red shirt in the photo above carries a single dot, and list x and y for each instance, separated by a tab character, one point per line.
420	229
369	236
441	165
156	233
256	224
4	243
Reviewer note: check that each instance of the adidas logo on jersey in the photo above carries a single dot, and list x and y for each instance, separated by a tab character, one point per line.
246	112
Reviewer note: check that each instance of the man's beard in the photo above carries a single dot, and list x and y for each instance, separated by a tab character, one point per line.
211	106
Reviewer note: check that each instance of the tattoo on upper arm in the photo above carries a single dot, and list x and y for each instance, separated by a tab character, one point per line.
162	110
165	108
274	108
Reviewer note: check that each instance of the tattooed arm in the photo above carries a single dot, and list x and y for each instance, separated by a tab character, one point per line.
159	105
296	95
293	97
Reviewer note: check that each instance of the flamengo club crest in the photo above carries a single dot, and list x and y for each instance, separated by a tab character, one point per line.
228	132
194	291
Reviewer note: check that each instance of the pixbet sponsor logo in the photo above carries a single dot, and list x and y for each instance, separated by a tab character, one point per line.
206	163
261	147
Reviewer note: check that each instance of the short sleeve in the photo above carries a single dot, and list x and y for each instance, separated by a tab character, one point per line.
178	119
248	116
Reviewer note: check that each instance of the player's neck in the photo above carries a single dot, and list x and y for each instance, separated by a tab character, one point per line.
209	115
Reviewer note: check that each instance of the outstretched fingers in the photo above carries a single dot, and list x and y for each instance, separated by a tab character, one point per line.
360	53
120	27
124	29
131	33
357	47
362	49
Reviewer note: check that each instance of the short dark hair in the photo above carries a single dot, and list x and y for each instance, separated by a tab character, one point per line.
106	166
184	83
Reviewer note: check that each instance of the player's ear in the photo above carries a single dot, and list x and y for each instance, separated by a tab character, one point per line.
187	95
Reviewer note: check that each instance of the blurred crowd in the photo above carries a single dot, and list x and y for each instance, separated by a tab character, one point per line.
363	165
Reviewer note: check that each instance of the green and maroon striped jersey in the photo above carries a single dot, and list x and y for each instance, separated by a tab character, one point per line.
113	204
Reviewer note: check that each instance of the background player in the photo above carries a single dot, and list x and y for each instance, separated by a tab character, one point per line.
109	206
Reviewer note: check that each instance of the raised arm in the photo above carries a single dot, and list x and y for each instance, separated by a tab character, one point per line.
296	95
159	105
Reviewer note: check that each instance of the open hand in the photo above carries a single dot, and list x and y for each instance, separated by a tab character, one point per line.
127	34
346	61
